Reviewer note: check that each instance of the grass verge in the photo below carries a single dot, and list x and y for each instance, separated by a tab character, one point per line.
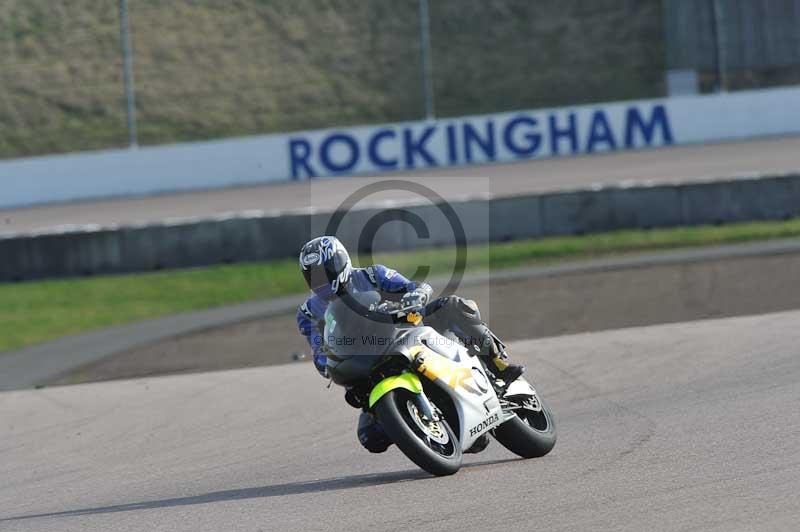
39	311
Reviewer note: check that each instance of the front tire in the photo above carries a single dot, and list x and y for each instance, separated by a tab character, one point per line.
529	434
432	446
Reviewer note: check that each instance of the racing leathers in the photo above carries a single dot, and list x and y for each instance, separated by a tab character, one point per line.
390	284
451	313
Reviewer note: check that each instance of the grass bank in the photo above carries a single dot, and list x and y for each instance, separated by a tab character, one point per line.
39	311
208	69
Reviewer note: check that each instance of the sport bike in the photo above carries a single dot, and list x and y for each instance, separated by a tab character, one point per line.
434	398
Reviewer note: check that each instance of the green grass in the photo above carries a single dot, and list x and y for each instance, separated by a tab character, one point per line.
38	311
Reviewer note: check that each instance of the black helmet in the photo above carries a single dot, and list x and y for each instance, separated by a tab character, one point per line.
326	266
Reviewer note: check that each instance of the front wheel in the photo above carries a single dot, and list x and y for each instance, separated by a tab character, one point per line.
531	433
431	445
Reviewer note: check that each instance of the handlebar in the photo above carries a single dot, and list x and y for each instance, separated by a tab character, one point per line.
392	308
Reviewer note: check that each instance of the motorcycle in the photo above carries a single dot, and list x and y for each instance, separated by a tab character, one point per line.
434	398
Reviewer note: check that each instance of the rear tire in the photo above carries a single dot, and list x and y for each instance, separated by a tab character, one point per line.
528	434
442	457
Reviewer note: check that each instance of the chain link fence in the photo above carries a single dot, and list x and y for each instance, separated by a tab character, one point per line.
205	69
735	44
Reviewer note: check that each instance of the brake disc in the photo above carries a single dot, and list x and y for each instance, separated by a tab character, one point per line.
433	429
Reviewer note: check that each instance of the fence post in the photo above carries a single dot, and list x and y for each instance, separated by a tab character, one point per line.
425	53
127	71
720	42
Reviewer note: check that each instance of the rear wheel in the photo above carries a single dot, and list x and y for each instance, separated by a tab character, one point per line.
431	445
531	433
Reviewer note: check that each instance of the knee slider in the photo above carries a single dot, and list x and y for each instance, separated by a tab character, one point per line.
375	441
468	305
469	308
371	435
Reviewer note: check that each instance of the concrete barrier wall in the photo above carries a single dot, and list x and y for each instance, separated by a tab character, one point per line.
254	238
381	148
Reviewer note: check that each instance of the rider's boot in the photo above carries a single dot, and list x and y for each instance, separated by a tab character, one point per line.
494	353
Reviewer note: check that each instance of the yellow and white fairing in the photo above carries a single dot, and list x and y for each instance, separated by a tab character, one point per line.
460	374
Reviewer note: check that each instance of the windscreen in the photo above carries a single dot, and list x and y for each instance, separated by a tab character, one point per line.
350	330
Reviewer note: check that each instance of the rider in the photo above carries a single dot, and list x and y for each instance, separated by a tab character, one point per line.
328	272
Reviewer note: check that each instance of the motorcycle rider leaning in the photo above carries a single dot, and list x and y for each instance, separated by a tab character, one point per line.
328	272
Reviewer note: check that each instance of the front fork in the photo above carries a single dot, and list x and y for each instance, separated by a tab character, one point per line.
425	407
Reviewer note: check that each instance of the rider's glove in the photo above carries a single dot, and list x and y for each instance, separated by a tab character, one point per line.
414	300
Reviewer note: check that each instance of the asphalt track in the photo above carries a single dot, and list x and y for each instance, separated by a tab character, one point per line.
663	165
690	426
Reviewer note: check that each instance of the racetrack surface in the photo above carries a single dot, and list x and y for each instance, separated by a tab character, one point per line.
662	165
690	426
